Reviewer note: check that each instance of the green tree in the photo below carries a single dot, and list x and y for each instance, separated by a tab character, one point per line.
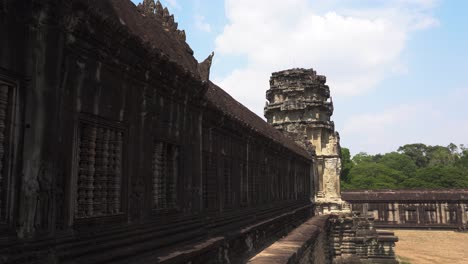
413	166
371	175
463	160
440	156
347	164
362	157
417	152
453	148
399	162
439	177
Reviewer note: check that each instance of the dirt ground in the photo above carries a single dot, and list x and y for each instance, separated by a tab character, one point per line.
421	247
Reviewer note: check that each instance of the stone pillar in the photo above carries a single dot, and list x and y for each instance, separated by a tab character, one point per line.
462	218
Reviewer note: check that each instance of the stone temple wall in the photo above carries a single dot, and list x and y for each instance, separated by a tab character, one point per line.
300	106
116	148
443	209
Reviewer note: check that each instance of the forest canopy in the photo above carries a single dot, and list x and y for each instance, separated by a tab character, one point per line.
412	166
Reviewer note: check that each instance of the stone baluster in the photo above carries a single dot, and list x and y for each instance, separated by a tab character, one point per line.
86	171
117	171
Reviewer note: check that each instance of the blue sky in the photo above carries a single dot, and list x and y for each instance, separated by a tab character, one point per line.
397	69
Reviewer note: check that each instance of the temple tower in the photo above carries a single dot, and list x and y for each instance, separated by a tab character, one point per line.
300	106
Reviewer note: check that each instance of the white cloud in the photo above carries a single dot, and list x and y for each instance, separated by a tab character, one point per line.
356	48
201	24
439	121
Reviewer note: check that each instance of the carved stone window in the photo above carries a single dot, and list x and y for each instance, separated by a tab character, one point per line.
5	125
99	179
165	174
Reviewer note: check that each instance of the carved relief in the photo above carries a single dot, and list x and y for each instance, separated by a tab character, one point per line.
331	175
165	174
99	179
331	147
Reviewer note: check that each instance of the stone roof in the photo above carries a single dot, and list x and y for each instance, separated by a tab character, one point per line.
406	195
154	25
229	106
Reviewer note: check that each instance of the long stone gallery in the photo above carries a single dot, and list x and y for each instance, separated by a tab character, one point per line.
117	148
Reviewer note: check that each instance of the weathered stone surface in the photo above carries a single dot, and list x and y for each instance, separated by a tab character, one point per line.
299	105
